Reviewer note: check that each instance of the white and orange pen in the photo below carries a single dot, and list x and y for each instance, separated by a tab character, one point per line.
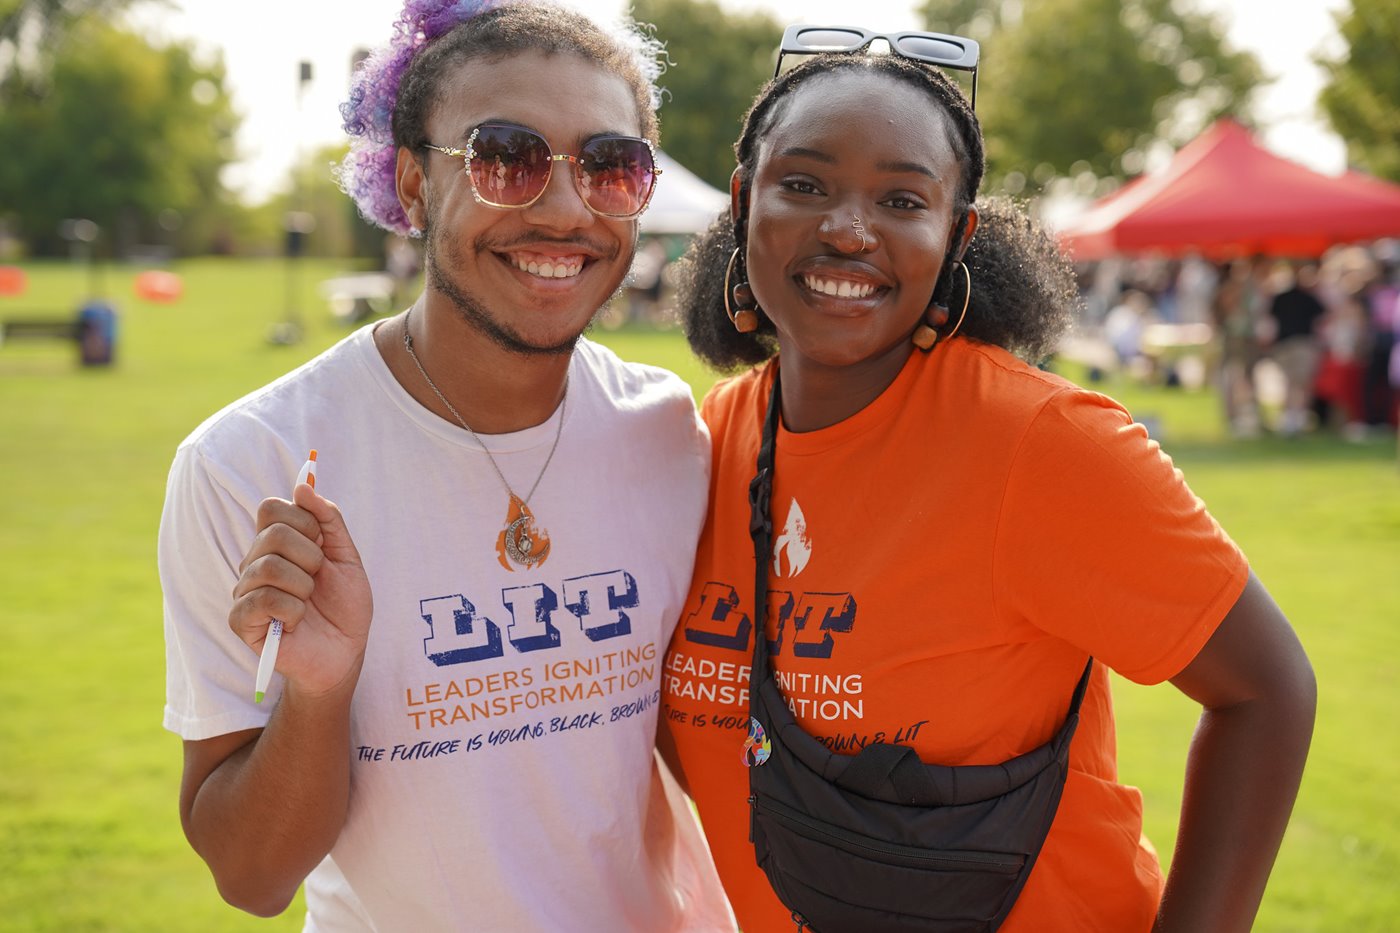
268	661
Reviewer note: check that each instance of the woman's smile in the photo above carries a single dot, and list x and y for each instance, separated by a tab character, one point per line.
853	284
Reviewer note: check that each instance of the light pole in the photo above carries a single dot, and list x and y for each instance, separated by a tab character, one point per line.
298	224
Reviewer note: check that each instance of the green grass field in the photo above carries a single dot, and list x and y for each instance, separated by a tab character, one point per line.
89	833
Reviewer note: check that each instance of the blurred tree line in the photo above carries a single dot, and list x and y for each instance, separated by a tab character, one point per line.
1362	96
1066	86
1081	89
1072	92
717	62
98	122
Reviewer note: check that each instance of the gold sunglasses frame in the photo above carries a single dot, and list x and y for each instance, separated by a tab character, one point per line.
469	152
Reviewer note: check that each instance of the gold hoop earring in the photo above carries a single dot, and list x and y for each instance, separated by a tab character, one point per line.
745	318
967	298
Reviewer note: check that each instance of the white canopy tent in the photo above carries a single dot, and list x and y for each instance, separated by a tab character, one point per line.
683	203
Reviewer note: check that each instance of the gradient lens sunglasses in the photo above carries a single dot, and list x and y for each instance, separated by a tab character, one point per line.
933	48
509	167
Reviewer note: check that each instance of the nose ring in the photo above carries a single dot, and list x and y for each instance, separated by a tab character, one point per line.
860	232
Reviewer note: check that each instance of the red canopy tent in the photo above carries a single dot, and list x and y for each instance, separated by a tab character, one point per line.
1223	195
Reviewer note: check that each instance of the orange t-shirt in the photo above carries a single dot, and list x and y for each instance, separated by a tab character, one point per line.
943	563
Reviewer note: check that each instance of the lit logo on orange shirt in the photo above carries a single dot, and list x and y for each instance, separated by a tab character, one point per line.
809	621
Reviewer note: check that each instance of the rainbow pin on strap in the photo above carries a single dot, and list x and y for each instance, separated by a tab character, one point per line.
757	746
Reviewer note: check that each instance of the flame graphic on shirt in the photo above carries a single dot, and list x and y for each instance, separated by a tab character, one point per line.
793	544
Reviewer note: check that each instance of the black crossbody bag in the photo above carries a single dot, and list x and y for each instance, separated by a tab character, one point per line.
881	841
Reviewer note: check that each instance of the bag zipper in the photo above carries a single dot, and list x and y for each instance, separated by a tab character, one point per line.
806	826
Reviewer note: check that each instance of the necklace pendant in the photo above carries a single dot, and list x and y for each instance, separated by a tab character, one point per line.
521	542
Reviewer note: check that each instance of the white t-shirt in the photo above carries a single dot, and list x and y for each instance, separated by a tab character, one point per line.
502	728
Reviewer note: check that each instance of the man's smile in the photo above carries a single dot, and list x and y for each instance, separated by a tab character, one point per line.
545	266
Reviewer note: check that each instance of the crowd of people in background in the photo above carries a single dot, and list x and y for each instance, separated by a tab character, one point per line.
1291	346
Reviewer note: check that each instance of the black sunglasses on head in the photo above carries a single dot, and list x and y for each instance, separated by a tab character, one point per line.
934	48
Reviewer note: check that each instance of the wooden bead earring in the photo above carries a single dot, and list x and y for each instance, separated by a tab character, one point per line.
926	334
743	312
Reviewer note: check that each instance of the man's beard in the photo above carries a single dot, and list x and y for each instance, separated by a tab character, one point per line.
476	315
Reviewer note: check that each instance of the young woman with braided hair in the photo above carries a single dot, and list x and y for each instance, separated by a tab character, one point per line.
955	532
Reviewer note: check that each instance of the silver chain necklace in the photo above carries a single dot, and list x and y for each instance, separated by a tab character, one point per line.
519	534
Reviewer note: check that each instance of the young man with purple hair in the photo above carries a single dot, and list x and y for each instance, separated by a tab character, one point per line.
471	745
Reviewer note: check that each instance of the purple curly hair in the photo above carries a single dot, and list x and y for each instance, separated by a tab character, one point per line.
380	119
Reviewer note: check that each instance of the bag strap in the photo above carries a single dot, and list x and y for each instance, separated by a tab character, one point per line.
879	766
761	530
